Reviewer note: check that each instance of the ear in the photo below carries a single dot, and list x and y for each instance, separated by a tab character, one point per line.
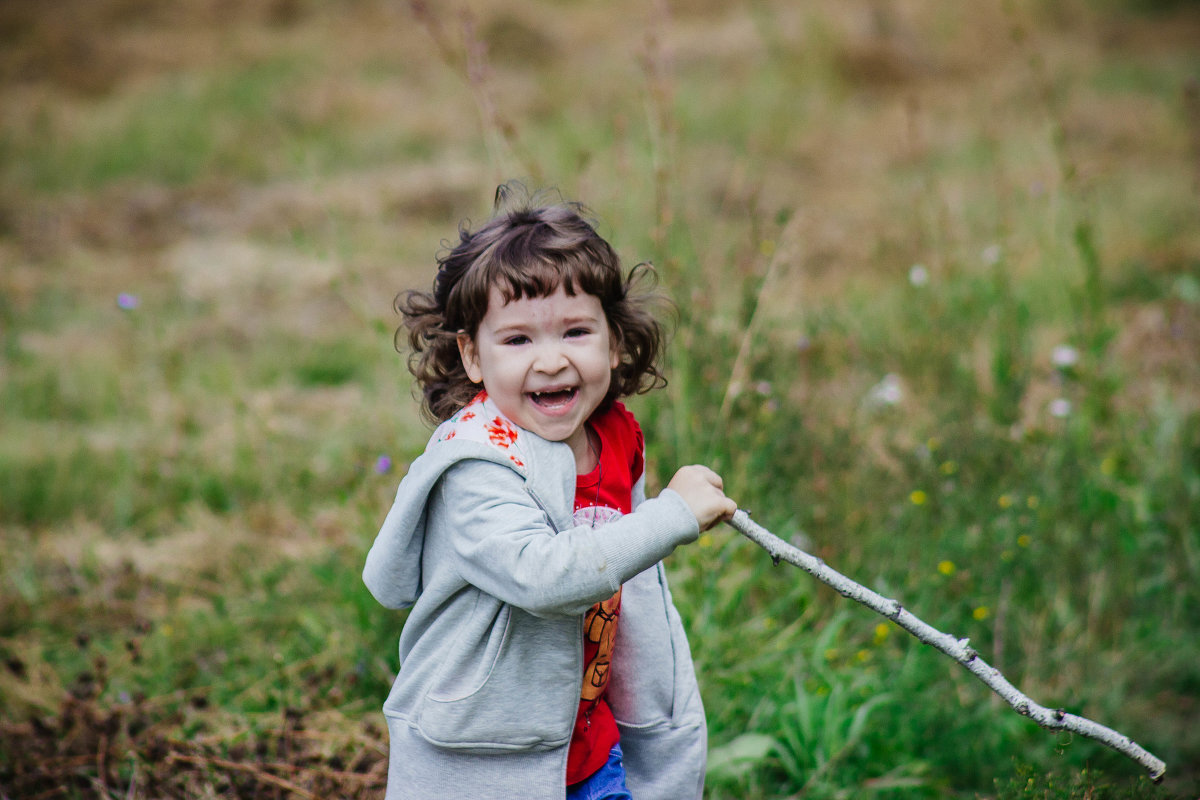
470	357
614	350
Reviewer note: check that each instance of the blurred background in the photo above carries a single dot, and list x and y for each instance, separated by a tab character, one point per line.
937	274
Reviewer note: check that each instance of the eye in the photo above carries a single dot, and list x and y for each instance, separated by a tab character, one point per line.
575	333
517	339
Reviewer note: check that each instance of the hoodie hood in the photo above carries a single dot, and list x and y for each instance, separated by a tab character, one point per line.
477	431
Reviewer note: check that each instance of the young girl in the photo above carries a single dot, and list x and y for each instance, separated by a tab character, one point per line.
542	656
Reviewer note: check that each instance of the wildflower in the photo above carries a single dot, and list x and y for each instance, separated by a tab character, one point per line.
882	631
1109	466
383	464
888	392
705	540
991	254
763	388
1060	408
862	656
1023	540
127	301
1004	501
933	443
1032	502
1064	356
918	276
948	467
767	247
981	613
918	497
946	567
166	630
831	654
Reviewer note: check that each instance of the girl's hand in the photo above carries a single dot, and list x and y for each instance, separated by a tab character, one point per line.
701	489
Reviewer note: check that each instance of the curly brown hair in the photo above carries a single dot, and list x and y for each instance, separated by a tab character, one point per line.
528	250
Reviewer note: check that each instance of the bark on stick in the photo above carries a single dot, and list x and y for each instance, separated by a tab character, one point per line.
958	649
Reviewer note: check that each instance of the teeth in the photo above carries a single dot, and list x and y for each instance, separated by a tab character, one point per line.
555	394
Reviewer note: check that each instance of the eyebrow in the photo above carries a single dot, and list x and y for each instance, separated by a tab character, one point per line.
523	326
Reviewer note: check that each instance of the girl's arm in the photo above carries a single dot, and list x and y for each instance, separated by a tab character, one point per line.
505	544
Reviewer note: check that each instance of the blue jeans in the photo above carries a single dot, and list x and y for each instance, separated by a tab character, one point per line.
607	783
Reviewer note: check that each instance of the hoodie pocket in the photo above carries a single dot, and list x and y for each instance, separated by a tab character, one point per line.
471	659
504	685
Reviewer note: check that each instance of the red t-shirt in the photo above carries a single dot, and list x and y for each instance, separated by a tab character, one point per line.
602	495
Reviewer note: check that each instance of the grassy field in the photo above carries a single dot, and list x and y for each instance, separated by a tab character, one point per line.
937	268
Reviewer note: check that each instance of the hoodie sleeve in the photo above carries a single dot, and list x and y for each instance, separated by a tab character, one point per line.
505	544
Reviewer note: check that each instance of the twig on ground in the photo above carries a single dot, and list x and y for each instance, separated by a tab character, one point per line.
257	773
957	649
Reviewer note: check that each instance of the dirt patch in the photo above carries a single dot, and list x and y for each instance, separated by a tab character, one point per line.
1160	345
90	47
88	745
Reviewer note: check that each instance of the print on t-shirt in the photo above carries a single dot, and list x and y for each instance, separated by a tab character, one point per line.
600	628
600	623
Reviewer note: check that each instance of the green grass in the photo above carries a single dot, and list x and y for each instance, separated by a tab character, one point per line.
188	487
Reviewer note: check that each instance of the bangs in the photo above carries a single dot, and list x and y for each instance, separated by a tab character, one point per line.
534	260
542	277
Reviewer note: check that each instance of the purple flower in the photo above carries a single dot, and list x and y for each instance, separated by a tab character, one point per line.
383	464
127	301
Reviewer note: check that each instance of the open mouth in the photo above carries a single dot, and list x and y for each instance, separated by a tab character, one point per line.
554	399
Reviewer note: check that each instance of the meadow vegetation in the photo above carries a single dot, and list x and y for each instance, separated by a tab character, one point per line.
937	276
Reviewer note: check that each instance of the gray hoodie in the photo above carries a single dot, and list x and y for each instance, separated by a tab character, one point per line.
481	546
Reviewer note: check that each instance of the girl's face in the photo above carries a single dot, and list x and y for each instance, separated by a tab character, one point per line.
546	362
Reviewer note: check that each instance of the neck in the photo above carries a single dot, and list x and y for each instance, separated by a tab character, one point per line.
586	450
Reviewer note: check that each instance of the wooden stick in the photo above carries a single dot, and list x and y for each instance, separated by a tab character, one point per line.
957	649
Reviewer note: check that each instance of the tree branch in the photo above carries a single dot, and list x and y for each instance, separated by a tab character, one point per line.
957	649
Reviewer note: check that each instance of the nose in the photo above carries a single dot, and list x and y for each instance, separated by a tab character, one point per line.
549	358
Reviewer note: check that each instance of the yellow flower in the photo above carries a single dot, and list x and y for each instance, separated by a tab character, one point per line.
946	567
1007	555
705	540
1032	501
1004	501
863	655
882	631
1023	540
934	443
831	654
767	247
948	467
1109	466
166	630
918	497
981	613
